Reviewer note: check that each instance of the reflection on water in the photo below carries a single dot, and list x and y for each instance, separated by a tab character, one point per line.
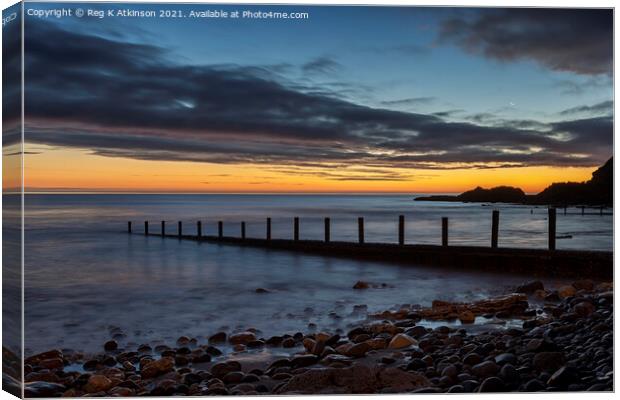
84	274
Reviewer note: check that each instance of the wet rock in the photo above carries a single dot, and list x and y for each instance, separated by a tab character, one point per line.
361	285
584	284
566	291
467	317
233	377
509	374
358	350
584	309
563	377
242	338
492	384
97	383
400	381
219	337
402	341
52	363
288	343
472	359
159	367
220	369
505	358
548	361
304	361
457	389
110	345
262	290
485	369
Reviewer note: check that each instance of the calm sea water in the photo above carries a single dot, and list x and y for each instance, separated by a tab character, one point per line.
84	274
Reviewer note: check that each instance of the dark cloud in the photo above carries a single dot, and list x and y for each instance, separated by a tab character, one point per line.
122	99
605	107
412	101
573	40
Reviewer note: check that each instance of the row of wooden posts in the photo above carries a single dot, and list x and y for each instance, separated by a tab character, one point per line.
360	229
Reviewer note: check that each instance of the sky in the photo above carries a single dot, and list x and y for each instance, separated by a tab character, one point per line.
351	99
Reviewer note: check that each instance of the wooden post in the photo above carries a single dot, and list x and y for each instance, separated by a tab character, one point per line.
444	231
146	228
220	229
296	229
552	219
243	230
327	230
199	229
602	210
583	210
401	230
268	228
360	229
180	229
494	229
128	226
163	228
564	210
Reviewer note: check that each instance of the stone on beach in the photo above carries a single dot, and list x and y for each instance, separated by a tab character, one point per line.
242	338
158	367
401	341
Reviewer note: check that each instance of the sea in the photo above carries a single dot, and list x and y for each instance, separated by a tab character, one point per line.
86	277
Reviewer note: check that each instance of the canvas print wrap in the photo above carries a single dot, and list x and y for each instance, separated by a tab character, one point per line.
252	199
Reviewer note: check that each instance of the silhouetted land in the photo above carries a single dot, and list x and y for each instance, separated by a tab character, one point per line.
596	191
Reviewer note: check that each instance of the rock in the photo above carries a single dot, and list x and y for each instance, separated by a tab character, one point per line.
97	383
548	361
530	287
242	338
563	377
402	341
289	342
416	331
183	341
52	363
566	291
36	359
159	367
358	350
485	369
492	384
472	359
505	358
584	309
450	371
467	317
219	337
509	374
220	369
262	290
361	285
110	345
584	284
309	344
400	381
233	377
304	361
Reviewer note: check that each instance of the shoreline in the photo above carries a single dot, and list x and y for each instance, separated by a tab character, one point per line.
565	342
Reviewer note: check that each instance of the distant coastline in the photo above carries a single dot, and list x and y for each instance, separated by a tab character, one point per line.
598	191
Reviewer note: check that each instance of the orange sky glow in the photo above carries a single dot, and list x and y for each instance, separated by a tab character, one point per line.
57	169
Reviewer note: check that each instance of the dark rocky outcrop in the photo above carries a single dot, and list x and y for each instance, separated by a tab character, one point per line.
596	191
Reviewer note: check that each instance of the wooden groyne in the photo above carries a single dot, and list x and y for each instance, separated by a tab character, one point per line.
535	262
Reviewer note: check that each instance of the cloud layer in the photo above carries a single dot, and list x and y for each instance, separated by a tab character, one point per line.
578	40
124	99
